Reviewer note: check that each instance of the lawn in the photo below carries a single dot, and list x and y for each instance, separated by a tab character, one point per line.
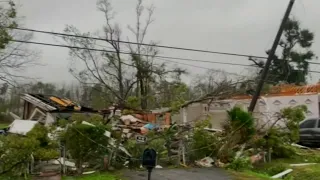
95	176
250	175
309	172
3	125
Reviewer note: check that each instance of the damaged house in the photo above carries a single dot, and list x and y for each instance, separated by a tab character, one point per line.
46	109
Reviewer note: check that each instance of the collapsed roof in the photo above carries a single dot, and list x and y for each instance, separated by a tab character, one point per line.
52	103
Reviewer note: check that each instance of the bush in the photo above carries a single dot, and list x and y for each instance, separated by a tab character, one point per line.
62	123
238	130
48	149
283	151
16	153
203	142
242	123
85	143
240	164
272	168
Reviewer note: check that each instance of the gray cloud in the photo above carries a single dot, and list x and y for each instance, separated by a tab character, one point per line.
240	26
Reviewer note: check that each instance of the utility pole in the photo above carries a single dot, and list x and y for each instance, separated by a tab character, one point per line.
270	57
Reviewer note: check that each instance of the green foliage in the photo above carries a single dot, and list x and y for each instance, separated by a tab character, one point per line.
17	150
46	154
85	143
280	140
8	15
94	119
271	168
203	142
133	102
293	117
16	153
241	122
293	64
240	164
95	176
47	149
306	173
178	92
62	123
39	133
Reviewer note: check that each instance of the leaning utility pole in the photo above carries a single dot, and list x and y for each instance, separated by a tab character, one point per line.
270	58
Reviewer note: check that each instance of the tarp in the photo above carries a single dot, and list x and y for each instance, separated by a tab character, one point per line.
21	127
149	126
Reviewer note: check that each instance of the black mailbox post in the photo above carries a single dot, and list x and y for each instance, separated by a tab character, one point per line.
149	159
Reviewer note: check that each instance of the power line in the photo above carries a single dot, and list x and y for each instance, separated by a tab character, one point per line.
164	58
129	53
135	43
145	44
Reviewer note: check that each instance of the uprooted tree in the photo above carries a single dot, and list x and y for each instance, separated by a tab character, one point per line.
122	70
14	56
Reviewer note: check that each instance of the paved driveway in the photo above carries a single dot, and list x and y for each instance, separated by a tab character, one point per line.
179	174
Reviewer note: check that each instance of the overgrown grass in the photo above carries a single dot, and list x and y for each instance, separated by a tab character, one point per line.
266	170
95	176
249	175
311	172
3	125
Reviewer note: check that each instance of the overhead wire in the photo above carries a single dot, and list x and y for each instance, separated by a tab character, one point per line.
129	53
145	44
136	43
146	55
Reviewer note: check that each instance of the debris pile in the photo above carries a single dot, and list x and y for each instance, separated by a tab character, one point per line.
140	124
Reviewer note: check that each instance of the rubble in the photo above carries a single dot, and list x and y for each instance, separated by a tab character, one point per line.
21	127
257	158
205	162
130	125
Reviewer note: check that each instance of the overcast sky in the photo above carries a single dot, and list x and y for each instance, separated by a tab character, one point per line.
237	26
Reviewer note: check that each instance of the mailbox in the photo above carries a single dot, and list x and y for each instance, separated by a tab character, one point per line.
149	158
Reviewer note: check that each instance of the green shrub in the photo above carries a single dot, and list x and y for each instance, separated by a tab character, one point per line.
203	143
240	164
85	143
283	151
273	168
241	122
62	123
16	153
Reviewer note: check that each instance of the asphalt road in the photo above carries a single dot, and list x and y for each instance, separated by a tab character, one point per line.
179	174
